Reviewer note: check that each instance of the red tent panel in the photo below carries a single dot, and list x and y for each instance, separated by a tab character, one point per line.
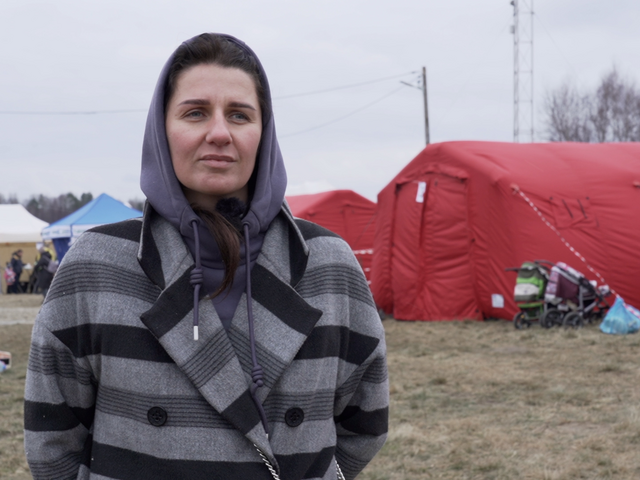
453	219
345	213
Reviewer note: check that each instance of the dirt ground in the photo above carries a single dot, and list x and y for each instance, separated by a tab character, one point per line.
481	400
21	308
469	400
15	339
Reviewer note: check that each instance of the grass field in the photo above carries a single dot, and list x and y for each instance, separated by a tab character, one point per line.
469	400
15	339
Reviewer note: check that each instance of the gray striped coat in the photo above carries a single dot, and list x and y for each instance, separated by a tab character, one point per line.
117	388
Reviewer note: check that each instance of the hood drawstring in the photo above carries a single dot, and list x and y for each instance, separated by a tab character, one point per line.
196	279
256	370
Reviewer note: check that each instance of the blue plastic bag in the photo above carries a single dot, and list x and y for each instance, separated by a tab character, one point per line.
621	319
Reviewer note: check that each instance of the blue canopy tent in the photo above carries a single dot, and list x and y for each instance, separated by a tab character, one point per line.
101	210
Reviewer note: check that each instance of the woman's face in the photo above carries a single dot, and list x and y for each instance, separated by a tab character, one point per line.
213	126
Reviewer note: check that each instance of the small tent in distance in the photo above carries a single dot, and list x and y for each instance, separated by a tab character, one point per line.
461	212
19	230
344	212
101	210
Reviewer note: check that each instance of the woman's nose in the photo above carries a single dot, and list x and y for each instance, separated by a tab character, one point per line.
218	131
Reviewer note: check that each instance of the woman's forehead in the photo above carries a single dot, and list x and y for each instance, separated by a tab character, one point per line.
210	80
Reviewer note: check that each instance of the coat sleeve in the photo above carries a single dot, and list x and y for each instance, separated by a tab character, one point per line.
362	411
58	409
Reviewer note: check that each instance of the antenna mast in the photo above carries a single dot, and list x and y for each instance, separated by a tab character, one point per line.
522	31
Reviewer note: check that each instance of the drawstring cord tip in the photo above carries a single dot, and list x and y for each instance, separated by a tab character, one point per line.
197	278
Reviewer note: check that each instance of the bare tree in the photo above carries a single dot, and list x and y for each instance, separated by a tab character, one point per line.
610	114
11	198
137	204
567	115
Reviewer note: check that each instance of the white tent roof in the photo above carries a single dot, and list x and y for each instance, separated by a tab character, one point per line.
17	225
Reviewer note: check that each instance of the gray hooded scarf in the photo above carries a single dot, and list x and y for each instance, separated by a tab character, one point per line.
164	193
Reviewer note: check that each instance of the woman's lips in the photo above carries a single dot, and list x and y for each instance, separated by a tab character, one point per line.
217	160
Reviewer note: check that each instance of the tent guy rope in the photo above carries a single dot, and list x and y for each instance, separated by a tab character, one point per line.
517	190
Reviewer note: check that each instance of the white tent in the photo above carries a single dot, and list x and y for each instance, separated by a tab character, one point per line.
17	225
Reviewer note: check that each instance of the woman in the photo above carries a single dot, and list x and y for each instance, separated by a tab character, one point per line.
44	269
16	266
217	337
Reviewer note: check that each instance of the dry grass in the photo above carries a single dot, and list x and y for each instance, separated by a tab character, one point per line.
483	401
469	400
15	337
13	465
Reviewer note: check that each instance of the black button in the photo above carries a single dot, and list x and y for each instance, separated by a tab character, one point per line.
294	416
157	416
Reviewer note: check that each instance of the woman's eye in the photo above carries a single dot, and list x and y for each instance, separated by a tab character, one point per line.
194	114
239	117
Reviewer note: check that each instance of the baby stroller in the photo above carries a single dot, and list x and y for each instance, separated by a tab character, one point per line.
529	293
571	299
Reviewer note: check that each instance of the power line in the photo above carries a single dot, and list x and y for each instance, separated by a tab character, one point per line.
100	112
459	93
544	27
343	87
344	116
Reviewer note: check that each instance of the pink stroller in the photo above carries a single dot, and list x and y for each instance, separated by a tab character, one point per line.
572	299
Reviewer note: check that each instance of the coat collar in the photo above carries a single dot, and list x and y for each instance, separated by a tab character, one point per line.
219	363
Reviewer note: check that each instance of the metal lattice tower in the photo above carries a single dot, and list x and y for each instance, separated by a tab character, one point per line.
522	30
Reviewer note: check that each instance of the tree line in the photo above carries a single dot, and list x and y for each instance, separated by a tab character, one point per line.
610	113
52	209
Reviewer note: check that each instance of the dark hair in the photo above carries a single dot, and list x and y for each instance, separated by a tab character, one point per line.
227	237
213	49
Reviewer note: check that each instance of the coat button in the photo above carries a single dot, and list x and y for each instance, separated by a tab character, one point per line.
294	416
157	416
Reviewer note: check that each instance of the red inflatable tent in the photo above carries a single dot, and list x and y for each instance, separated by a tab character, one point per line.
343	212
461	212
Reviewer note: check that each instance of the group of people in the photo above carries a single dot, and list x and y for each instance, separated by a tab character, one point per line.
41	277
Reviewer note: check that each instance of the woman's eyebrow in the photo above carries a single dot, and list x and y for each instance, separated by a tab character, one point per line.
194	101
241	105
201	101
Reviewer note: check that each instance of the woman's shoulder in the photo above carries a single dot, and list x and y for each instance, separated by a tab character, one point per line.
312	230
121	238
126	230
321	240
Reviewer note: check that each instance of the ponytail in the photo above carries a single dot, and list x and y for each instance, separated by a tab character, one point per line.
227	236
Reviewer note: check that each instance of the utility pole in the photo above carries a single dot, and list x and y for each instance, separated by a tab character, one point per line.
522	70
423	87
426	107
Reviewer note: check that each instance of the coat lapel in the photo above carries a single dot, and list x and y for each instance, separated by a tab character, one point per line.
282	318
210	363
219	363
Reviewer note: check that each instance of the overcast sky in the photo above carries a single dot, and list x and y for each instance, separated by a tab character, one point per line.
79	56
